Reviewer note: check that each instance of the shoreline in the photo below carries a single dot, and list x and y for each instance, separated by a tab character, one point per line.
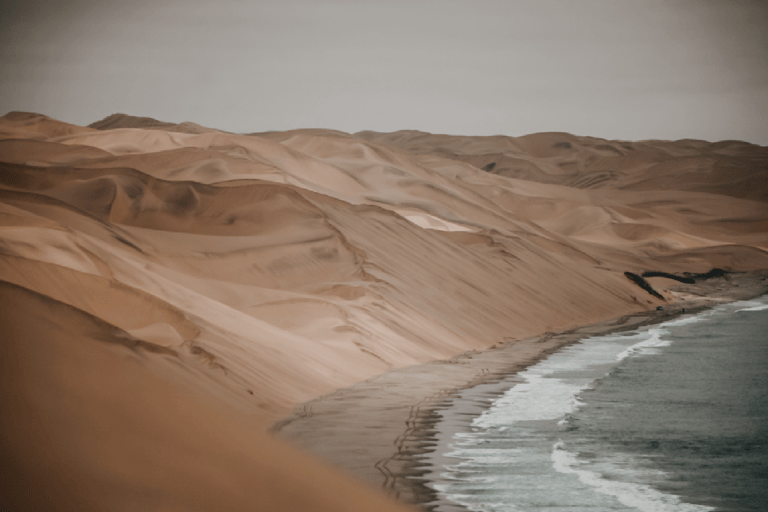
376	430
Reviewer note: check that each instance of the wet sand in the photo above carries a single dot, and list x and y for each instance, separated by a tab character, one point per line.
376	430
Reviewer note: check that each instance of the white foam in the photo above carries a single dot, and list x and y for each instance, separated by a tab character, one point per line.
543	396
638	496
687	320
655	340
540	398
550	391
761	307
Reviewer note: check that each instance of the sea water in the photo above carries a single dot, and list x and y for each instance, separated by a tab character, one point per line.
670	418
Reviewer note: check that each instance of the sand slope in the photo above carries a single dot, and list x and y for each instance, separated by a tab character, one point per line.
250	273
88	426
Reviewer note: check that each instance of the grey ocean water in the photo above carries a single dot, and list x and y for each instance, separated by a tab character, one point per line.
670	418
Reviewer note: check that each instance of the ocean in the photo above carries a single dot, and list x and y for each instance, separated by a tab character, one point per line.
668	418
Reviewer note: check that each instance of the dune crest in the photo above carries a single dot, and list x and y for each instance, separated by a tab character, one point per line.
255	272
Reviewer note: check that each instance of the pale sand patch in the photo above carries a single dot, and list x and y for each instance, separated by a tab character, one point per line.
161	334
426	221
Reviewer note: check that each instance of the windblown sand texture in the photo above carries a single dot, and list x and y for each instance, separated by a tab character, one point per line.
169	291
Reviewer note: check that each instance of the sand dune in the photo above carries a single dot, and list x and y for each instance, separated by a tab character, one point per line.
231	277
89	426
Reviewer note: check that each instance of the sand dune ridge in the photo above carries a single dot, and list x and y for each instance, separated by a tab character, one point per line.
254	272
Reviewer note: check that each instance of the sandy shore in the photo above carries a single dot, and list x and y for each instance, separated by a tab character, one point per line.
171	291
378	429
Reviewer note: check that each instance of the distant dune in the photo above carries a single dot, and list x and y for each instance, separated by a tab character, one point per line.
170	290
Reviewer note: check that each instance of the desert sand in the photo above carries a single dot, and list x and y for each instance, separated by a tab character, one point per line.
171	293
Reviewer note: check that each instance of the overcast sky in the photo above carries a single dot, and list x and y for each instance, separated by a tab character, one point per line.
618	69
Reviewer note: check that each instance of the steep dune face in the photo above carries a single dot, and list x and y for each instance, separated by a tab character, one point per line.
260	271
88	425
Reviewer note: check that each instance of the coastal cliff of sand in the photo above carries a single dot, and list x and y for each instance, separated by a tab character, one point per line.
171	291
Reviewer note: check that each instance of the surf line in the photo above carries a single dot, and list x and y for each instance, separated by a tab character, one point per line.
549	391
644	497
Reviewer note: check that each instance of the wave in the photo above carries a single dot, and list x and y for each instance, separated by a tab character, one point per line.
759	307
504	460
655	340
638	496
551	389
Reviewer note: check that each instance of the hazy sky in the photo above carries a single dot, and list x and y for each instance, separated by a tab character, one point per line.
619	69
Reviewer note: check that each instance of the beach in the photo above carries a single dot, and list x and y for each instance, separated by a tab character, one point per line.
665	418
198	319
380	429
